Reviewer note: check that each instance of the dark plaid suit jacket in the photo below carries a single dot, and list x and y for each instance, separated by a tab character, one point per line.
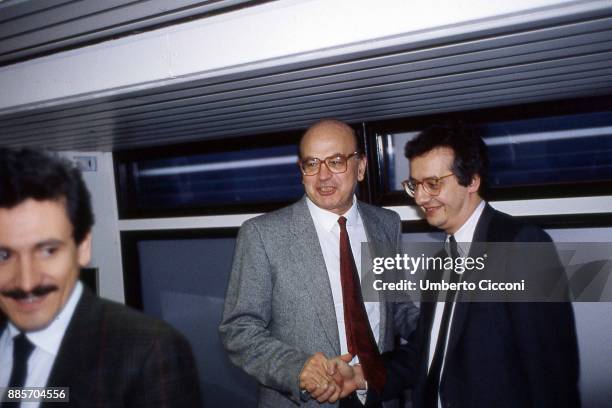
112	356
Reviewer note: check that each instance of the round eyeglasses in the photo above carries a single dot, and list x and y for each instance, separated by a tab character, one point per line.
431	185
336	163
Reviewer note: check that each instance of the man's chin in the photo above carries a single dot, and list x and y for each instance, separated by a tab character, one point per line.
31	316
434	221
326	203
31	325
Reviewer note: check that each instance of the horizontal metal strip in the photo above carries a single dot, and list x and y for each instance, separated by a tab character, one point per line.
408	104
414	53
12	10
499	102
413	71
412	109
228	84
113	143
551	206
420	60
371	112
117	19
405	102
291	126
58	17
494	57
84	89
408	93
415	91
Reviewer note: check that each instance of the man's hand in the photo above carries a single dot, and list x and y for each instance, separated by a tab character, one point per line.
316	381
347	378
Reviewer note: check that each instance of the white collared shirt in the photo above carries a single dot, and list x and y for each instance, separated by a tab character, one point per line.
464	237
46	346
328	232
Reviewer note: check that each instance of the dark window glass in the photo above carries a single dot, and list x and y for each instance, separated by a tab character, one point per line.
541	154
554	150
252	176
181	277
227	178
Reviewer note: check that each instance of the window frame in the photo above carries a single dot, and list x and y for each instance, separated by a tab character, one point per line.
126	185
132	270
377	136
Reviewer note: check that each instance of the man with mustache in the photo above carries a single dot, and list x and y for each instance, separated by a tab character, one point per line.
54	332
476	354
289	301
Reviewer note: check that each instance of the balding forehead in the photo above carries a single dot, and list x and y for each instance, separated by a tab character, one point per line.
329	125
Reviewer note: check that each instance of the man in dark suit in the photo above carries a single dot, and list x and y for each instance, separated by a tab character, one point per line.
53	331
475	354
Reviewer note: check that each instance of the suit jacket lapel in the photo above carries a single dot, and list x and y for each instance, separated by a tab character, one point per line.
306	250
481	233
462	308
378	245
77	349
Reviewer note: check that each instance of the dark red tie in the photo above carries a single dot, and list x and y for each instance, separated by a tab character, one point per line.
359	337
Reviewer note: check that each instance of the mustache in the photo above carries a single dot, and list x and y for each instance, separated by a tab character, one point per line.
20	294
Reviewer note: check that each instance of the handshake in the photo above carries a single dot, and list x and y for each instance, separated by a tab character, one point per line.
328	380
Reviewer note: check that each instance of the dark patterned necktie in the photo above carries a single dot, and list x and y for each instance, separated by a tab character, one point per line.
22	348
359	337
433	377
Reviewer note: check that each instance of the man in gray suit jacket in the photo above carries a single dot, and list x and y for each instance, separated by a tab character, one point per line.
284	305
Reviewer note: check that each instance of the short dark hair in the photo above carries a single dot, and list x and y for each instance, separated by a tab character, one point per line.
30	173
471	156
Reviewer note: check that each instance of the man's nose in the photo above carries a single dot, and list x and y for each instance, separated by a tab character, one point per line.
26	277
420	195
324	172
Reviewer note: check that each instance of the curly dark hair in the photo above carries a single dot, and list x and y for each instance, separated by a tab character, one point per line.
30	173
471	156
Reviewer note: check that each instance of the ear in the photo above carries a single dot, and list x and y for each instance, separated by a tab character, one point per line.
84	250
361	169
474	185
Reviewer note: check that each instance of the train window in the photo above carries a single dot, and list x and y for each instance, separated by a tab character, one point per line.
181	277
570	149
217	177
554	156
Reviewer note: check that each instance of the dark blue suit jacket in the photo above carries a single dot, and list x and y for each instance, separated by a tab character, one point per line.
514	355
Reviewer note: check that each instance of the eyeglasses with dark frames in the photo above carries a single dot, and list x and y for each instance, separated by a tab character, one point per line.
337	163
431	185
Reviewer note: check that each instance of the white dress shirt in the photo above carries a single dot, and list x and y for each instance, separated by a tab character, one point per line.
464	237
46	346
328	232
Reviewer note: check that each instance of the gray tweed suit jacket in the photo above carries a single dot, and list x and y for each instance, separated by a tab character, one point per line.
279	308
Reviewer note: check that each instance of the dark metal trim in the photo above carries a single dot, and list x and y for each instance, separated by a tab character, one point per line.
557	221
